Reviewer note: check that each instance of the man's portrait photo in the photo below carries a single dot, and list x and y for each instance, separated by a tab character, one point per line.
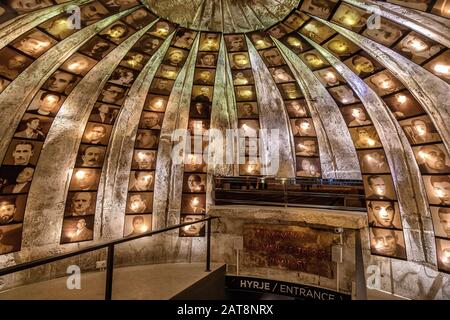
123	77
193	230
235	42
151	120
61	82
355	116
144	160
379	187
184	38
206	59
420	130
303	127
387	242
139	202
341	47
432	158
194	183
161	86
104	113
139	18
290	90
200	109
92	12
175	57
350	17
438	189
441	221
23	153
384	83
141	181
272	57
161	29
135	60
33	127
202	93
80	204
156	103
97	48
147	139
297	108
403	104
296	19
117	32
320	8
204	76
280	30
78	64
417	47
90	156
329	77
46	103
373	161
209	41
148	44
96	133
282	74
306	147
12	208
12	63
384	214
365	137
261	40
308	167
239	60
85	179
251	167
137	224
58	27
344	95
317	31
247	110
195	203
15	179
34	43
194	163
386	34
443	254
76	229
439	66
198	126
363	65
248	128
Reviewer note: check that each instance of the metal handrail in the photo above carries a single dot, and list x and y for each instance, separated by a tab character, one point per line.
110	256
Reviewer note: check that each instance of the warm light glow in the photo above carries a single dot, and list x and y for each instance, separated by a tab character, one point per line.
260	43
198	125
418	45
330	76
251	168
51	98
141	155
195	202
379	190
71	234
294	42
75	66
162	31
80	174
401	98
159	104
370	142
344	100
144	228
423	154
386	85
439	193
420	130
305	126
441	68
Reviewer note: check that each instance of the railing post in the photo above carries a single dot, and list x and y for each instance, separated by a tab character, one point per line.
109	272
208	246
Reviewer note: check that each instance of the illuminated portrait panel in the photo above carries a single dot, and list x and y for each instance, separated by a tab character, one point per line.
175	57
235	42
306	147
193	230
194	163
206	60
209	41
373	161
344	95
251	167
80	204
141	181
387	242
156	103
341	47
272	57
33	126
296	43
355	115
161	86
61	82
296	19
417	47
314	60
363	65
135	60
420	130
308	167
440	66
117	32
161	29
198	126
438	189
147	139
432	158
46	103
239	60
365	137
96	133
59	27
144	160
137	224
384	83
12	63
261	40
443	254
194	182
317	31
204	76
279	30
97	48
384	214
90	156
403	104
297	108
320	8
202	93
245	93
139	202
78	64
104	113
34	43
441	221
200	109
10	238
123	76
84	179
248	128
195	203
303	127
290	90
350	17
442	8
387	33
184	38
148	44
15	179
151	120
247	110
329	77
23	152
139	18
12	208
242	77
77	229
379	187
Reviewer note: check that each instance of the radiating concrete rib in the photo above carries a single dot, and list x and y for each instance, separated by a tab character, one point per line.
176	117
112	195
272	116
429	90
223	117
337	153
29	21
415	20
404	169
15	99
45	207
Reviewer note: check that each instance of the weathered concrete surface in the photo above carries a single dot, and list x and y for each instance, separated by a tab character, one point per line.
272	116
338	157
404	169
228	16
169	176
223	117
415	20
15	99
46	199
27	22
116	171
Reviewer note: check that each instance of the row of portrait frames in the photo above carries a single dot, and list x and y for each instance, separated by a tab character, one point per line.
193	200
139	206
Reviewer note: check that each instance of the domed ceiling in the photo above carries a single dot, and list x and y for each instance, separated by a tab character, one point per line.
93	95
